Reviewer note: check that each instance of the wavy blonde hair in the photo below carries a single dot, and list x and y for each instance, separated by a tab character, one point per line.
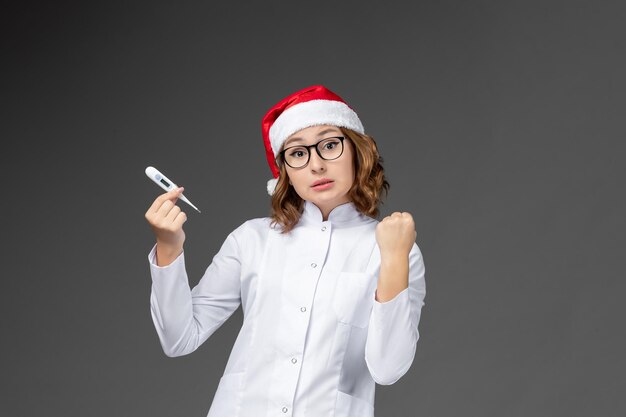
365	193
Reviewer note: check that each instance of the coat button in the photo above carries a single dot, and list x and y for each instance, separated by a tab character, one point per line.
284	409
323	228
303	309
294	360
313	264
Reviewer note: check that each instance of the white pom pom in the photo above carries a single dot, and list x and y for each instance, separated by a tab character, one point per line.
271	185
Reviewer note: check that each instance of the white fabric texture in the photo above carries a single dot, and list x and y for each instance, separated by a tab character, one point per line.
314	340
271	185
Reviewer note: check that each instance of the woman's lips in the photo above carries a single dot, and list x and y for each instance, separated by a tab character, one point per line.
323	186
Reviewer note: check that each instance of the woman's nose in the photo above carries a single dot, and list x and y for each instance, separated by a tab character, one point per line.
316	162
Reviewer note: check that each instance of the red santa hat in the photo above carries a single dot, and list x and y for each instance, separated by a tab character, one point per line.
315	105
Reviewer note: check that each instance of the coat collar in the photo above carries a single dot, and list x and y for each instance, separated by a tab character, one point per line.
343	215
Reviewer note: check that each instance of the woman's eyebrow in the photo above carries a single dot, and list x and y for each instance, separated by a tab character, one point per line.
323	132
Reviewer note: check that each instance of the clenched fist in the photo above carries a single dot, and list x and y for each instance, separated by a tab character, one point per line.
166	220
396	234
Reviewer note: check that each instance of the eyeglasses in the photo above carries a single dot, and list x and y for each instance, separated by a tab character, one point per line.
299	156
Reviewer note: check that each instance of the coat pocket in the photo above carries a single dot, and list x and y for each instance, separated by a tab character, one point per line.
353	298
350	406
227	396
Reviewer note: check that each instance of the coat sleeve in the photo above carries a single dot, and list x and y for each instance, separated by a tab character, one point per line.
185	318
392	334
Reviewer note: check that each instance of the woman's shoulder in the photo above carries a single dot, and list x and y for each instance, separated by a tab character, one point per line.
258	223
258	226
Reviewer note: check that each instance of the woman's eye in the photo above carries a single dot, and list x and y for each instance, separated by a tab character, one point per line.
296	154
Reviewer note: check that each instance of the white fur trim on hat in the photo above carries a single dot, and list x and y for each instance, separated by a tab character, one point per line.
271	185
312	113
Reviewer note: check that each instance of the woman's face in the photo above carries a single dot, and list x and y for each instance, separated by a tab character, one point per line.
339	171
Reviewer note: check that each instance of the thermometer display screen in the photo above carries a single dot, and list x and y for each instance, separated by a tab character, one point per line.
167	184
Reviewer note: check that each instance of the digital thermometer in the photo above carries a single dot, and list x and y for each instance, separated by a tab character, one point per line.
165	183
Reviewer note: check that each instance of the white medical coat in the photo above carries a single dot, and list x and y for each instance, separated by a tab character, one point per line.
314	340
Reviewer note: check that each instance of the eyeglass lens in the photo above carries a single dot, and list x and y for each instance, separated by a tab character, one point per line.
298	156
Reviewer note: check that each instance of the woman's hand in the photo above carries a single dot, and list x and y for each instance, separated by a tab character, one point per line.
166	220
395	235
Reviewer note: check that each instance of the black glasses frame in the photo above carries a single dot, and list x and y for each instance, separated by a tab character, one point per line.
282	153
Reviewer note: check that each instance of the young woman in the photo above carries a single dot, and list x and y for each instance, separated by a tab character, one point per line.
331	297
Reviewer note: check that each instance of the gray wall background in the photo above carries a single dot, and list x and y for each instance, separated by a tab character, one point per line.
501	127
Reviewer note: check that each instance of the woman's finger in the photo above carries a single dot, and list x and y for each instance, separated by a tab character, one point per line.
169	218
179	220
164	210
170	195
